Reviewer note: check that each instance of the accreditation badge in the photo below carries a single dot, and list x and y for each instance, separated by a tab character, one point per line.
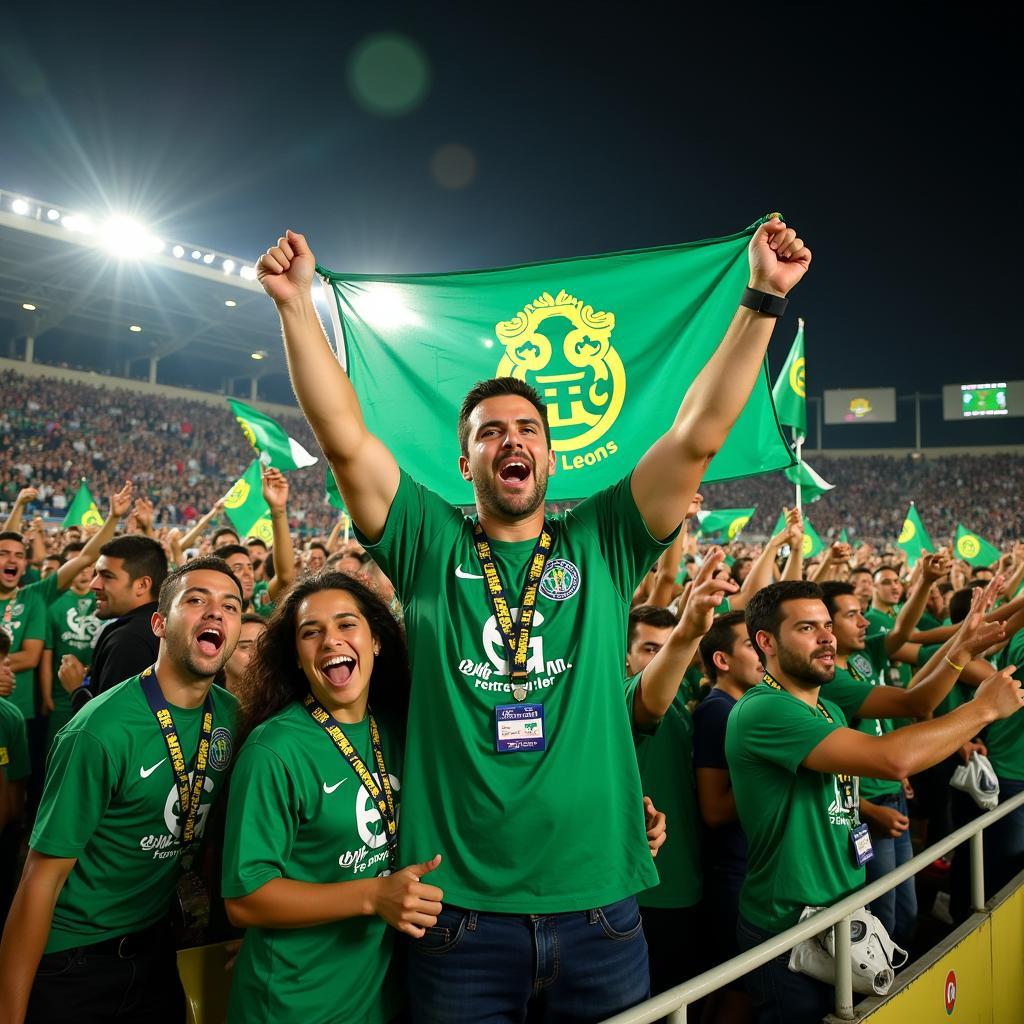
194	908
860	845
519	727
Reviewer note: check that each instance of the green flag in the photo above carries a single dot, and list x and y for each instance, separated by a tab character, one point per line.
268	437
611	343
82	511
914	539
790	391
729	521
843	539
812	484
812	543
973	549
334	498
246	507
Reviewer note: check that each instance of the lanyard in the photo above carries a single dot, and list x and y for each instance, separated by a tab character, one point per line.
848	784
188	795
514	635
9	611
382	795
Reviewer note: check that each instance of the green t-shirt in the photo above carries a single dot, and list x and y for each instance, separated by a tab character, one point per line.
850	688
665	758
13	743
72	627
110	801
520	832
798	833
23	617
297	810
260	601
1005	737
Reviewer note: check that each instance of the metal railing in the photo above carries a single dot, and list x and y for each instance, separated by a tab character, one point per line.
673	1002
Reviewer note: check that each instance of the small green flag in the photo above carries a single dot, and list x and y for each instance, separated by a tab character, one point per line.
812	542
812	484
790	391
843	539
973	549
82	511
247	508
268	437
914	539
334	498
729	521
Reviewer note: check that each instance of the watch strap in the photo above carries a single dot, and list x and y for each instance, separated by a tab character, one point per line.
764	302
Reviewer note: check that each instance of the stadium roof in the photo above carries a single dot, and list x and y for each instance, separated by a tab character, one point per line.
96	293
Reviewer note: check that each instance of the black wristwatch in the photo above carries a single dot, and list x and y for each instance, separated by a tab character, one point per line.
764	302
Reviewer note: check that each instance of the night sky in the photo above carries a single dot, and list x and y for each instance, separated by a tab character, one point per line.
887	143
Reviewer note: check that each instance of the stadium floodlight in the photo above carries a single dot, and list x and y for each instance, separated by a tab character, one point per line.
230	303
229	266
209	258
78	222
248	273
28	306
196	254
19	206
126	237
179	251
257	355
52	214
135	329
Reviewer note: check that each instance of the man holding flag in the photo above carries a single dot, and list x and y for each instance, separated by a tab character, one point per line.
516	625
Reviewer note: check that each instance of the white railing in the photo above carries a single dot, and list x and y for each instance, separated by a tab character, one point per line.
673	1003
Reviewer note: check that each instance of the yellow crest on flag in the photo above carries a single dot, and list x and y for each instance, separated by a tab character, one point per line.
250	434
580	376
968	546
796	377
908	531
736	525
806	544
92	517
263	529
238	495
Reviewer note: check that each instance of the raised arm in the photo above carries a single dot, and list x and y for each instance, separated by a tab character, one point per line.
275	494
188	540
366	471
25	497
672	468
120	503
931	568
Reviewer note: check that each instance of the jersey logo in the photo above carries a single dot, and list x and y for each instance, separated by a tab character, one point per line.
220	749
561	580
463	575
146	772
862	666
331	789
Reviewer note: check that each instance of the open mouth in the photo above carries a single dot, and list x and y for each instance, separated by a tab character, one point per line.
210	641
9	574
514	471
338	670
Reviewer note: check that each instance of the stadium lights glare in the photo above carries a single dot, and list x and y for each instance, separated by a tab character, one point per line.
256	355
209	258
179	251
53	214
230	303
78	222
135	329
249	273
229	265
28	306
196	254
126	237
19	206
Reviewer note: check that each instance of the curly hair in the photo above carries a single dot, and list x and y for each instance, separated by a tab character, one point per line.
273	678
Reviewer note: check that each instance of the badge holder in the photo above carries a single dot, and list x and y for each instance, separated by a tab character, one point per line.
519	727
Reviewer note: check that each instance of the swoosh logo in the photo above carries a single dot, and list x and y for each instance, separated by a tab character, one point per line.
463	575
331	789
146	772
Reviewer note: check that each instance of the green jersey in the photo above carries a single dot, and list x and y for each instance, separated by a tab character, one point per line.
72	627
538	831
111	802
14	761
260	602
850	688
1005	737
297	810
798	832
667	777
23	617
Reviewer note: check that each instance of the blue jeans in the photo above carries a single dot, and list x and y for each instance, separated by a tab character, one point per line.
781	996
482	968
897	909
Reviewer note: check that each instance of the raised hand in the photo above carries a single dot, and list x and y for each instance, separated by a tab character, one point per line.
406	903
705	596
840	552
121	502
275	489
286	270
26	495
934	567
1001	692
778	258
143	514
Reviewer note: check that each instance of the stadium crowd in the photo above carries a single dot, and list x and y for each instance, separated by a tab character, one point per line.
748	714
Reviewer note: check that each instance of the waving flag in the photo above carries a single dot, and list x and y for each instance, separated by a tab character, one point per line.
973	549
246	507
790	391
729	521
914	539
268	437
82	511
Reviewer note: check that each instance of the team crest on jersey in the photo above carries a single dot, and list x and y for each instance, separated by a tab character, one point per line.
861	665
561	580
220	749
18	609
